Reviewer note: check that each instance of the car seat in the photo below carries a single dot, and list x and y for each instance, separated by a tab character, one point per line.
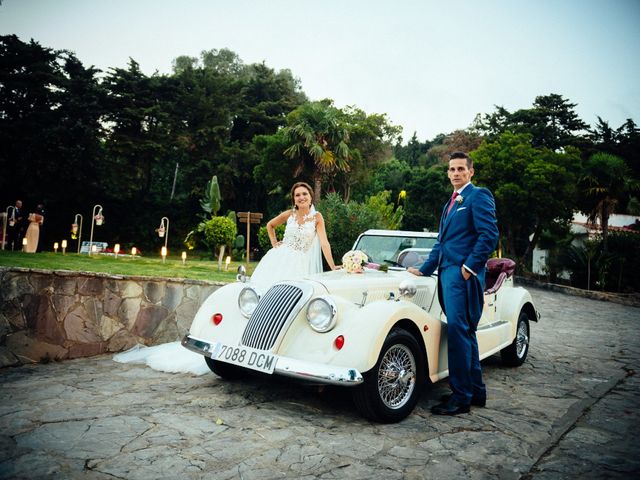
498	270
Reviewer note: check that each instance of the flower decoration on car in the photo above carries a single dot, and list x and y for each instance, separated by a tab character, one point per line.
354	261
377	266
459	199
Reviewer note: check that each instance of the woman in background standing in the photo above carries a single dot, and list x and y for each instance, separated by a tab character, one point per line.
33	230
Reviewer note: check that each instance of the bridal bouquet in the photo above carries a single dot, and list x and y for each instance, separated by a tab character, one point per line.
354	261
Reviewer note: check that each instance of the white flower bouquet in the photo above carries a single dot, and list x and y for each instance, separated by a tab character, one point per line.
354	261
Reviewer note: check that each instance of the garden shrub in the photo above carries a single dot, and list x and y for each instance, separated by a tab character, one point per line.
263	237
345	221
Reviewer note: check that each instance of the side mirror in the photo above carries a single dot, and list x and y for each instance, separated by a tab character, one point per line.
242	274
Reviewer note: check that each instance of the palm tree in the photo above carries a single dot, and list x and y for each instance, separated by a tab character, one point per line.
318	140
606	181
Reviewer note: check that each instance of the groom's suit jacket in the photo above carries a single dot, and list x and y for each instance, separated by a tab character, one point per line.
467	236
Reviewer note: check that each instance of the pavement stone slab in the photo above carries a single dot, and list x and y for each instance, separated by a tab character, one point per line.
569	412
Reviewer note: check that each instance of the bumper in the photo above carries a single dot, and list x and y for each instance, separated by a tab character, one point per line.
290	367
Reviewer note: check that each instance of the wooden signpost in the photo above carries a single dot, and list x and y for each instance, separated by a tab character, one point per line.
249	218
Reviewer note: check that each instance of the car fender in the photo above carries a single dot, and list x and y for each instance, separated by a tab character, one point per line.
225	301
511	301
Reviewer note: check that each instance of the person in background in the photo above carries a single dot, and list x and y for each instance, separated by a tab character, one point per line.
33	230
15	232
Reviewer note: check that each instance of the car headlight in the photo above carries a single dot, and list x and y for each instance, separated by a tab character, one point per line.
248	301
321	314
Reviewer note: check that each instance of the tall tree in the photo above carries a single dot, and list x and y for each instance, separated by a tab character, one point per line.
30	78
50	111
457	141
606	180
317	139
426	190
552	123
371	137
533	187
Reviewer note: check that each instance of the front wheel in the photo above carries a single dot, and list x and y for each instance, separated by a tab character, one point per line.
392	387
515	354
225	370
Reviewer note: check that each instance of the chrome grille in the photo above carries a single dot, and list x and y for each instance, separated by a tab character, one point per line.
274	309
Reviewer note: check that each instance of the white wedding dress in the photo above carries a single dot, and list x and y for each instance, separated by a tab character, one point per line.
299	255
169	357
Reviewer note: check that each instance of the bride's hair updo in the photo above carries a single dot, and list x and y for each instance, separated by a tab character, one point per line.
300	184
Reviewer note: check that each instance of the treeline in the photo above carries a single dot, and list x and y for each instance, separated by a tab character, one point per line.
145	147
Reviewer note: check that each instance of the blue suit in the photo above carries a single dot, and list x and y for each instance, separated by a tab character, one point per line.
467	236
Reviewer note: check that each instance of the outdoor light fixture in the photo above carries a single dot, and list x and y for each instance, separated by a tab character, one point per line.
184	258
76	229
163	230
55	247
64	246
226	264
134	250
97	219
24	244
116	249
163	252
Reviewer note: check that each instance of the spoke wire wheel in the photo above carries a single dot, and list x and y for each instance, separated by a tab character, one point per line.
397	376
522	339
516	353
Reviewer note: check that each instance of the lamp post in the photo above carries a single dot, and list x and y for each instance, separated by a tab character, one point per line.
24	244
75	231
163	252
163	230
96	218
116	249
55	247
64	246
184	258
12	221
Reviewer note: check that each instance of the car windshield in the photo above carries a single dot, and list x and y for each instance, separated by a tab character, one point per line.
386	249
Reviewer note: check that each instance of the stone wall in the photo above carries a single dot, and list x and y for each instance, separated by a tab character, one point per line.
55	315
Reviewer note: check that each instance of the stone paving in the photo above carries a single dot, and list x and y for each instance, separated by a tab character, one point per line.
569	412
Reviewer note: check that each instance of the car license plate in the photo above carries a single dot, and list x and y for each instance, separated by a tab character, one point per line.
244	357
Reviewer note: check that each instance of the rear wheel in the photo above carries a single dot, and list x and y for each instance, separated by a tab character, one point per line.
225	370
515	354
392	387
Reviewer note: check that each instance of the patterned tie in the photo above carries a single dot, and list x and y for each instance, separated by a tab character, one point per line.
453	200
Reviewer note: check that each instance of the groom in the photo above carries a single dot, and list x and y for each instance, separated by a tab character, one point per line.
468	233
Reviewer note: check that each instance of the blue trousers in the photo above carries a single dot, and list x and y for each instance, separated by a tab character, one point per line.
465	374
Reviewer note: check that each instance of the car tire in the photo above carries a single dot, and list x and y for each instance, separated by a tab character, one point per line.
225	370
392	387
515	354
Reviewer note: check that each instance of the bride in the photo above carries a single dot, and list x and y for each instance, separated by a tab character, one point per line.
297	255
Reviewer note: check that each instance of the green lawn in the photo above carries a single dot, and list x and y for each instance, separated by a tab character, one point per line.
123	265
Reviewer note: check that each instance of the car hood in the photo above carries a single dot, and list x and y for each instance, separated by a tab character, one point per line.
376	284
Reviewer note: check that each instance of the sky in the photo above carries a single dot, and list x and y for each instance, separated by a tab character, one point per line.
431	66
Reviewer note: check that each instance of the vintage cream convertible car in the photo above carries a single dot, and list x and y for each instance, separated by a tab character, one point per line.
382	334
